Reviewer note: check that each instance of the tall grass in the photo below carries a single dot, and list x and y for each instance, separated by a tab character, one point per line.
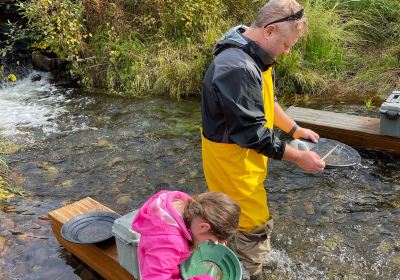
7	187
380	20
163	47
375	26
322	56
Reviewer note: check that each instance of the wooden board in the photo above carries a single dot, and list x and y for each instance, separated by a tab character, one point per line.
353	130
102	258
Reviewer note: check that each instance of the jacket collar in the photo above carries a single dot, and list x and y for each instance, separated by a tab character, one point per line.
262	58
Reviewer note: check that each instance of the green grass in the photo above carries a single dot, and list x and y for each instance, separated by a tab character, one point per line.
143	48
7	187
322	56
378	72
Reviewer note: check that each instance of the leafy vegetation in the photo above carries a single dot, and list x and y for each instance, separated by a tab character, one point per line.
137	48
57	26
7	187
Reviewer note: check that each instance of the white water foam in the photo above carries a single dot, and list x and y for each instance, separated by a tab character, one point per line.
29	104
286	268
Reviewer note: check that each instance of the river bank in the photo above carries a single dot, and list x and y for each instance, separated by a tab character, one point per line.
139	49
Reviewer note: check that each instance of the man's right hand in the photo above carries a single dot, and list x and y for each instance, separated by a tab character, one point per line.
310	162
307	160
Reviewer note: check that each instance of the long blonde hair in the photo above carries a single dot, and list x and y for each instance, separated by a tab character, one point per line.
216	209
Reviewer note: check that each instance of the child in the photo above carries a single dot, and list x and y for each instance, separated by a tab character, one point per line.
171	221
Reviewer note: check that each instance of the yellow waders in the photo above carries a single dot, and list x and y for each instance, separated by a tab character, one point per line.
241	172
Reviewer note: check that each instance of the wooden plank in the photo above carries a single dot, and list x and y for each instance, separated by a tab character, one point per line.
353	130
101	257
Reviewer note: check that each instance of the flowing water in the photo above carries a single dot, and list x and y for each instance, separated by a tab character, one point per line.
341	224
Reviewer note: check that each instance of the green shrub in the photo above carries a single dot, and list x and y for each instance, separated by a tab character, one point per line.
190	17
164	46
170	59
56	26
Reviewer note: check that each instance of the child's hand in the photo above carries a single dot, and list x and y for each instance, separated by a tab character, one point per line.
223	242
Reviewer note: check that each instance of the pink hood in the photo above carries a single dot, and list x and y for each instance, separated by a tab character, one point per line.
158	216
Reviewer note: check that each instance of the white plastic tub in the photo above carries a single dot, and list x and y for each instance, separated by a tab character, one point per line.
127	243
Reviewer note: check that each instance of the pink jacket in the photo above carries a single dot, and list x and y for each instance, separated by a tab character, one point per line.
164	241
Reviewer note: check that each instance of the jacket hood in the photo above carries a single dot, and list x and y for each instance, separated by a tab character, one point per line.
158	216
234	38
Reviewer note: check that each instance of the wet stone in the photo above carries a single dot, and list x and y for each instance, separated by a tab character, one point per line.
7	224
37	267
23	238
115	190
5	232
20	210
67	184
122	178
3	241
194	173
333	242
44	218
115	161
103	143
36	204
35	226
384	247
182	181
51	170
396	261
309	208
16	232
125	199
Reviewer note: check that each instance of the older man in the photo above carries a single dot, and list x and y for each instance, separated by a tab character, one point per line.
239	111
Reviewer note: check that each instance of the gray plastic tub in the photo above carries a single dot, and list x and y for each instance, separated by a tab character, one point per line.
390	115
127	243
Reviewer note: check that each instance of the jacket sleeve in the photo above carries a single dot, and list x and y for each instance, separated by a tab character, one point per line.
161	261
240	96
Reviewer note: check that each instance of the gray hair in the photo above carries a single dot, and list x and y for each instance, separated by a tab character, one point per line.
276	9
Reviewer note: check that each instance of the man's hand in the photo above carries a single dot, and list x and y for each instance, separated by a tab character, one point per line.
306	133
307	160
310	162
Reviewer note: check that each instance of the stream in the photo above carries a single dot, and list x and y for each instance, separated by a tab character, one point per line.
341	224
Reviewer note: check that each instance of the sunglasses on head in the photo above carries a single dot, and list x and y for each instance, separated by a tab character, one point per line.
295	16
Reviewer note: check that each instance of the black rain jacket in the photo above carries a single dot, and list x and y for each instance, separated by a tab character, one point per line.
232	104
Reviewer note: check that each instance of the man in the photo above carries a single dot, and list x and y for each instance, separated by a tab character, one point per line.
238	114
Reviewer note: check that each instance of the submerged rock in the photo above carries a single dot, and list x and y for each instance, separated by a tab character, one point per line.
48	62
36	78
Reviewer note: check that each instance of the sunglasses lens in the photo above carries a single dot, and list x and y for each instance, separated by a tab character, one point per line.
296	16
299	14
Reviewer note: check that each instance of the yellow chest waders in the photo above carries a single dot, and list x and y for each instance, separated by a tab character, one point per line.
241	172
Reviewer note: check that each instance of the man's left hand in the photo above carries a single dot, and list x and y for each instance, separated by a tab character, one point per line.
306	133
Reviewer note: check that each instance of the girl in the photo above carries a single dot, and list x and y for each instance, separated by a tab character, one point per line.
171	223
